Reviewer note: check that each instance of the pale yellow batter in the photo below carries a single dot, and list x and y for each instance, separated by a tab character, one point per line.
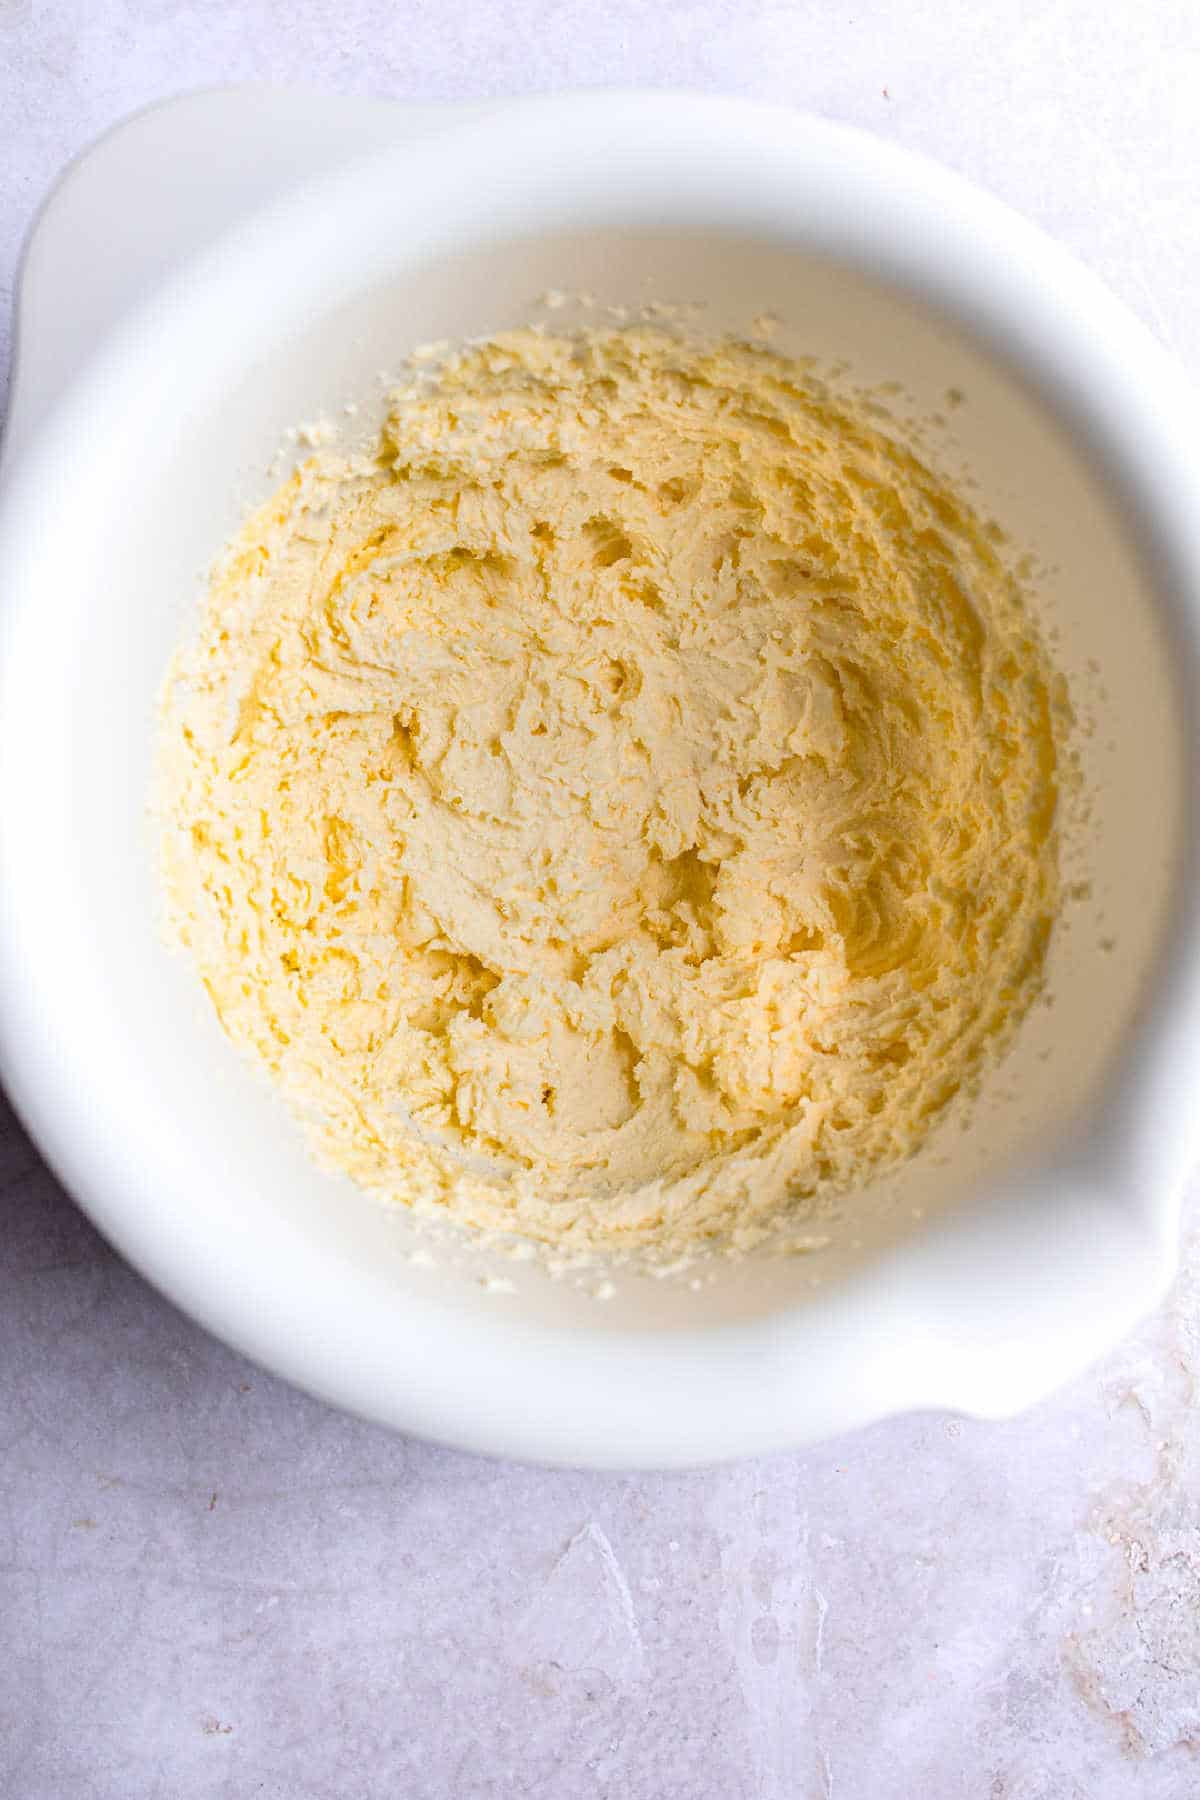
623	807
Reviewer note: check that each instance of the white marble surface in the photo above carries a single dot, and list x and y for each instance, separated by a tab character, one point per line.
213	1586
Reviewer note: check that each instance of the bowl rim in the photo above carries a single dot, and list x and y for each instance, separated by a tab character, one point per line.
886	1340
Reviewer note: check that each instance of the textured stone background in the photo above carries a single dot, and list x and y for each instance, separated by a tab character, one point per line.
212	1586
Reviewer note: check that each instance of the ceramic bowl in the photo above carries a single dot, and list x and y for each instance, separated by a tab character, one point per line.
170	332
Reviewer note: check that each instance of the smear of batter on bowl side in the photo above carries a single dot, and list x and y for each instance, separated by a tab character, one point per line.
623	806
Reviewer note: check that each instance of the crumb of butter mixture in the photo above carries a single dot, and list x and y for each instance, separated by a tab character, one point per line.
623	806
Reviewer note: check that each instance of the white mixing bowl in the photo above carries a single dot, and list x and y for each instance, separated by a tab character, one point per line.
1002	1259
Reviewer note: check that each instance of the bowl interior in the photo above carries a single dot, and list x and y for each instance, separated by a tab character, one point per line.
164	490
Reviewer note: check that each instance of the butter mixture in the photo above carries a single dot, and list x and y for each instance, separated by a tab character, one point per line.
621	808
